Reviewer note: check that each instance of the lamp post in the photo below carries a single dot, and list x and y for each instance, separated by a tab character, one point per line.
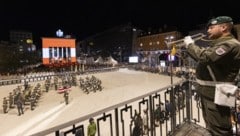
172	93
170	57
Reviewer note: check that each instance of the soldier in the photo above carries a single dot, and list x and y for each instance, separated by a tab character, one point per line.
66	96
11	100
74	80
47	84
219	63
92	127
19	103
5	105
99	84
32	101
25	84
56	83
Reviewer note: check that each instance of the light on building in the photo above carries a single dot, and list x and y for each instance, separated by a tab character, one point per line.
29	41
171	57
59	33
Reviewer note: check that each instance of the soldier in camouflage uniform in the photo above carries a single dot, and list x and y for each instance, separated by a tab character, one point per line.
218	63
56	82
47	84
11	100
66	96
20	103
5	105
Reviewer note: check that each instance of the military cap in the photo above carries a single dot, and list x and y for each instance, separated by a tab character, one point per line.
219	20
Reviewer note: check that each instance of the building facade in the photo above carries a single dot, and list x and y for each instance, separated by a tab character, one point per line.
58	51
153	50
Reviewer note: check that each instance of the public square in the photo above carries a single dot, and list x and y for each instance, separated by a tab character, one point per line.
51	110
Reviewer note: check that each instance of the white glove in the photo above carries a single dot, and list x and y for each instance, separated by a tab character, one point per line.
188	40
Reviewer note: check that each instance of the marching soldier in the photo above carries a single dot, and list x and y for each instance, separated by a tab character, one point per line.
11	100
74	80
66	96
32	101
20	103
56	82
5	105
47	84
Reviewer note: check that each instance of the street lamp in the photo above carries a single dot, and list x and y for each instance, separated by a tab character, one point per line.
172	93
170	57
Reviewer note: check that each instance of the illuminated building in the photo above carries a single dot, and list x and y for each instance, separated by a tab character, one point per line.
58	51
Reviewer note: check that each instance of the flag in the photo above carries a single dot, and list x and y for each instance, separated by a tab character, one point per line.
173	51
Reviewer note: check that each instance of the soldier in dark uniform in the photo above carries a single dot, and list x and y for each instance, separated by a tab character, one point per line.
66	96
25	84
5	105
218	63
32	101
20	103
56	83
11	100
47	84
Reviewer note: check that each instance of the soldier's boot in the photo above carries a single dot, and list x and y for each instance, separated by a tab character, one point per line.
5	110
32	106
19	113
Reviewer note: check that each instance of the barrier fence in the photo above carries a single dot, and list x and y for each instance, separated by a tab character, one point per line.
34	78
126	118
167	110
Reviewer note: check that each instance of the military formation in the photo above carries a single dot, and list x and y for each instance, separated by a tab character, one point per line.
64	81
92	84
27	95
21	97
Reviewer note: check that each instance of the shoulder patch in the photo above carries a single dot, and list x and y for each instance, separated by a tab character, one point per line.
220	51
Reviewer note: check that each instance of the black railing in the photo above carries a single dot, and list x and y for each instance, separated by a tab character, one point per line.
125	118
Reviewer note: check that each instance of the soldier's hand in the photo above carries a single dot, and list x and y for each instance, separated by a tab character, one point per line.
188	41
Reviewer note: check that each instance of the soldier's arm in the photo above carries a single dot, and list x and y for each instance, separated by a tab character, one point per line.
208	55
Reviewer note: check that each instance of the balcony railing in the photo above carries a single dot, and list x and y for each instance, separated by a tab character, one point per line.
173	110
125	118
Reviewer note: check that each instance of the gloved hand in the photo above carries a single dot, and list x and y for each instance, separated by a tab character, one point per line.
188	40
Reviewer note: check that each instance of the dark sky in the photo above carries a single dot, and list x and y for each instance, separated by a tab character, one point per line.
86	17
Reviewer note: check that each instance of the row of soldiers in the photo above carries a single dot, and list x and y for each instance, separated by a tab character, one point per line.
90	84
66	80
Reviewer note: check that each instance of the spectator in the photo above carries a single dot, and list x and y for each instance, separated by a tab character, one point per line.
92	127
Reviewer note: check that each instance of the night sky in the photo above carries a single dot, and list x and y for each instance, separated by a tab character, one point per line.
83	18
